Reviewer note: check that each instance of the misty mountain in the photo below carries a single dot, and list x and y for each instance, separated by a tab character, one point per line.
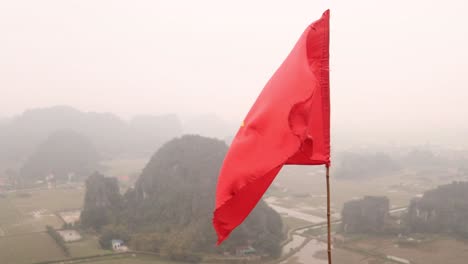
191	164
352	165
62	154
209	125
423	158
170	209
111	135
150	132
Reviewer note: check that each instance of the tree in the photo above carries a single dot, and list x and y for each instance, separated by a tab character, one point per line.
367	215
102	203
441	210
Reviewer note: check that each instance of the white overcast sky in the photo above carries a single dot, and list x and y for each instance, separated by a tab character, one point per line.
395	65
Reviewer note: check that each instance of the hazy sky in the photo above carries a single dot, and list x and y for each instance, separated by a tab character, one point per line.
395	65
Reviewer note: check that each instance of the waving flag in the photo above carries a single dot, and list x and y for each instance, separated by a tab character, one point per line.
288	124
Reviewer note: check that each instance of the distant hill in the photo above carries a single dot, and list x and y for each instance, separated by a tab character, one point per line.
149	132
441	210
358	166
421	158
209	125
111	135
170	209
62	154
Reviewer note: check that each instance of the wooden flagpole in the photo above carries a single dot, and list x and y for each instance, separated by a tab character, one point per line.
328	215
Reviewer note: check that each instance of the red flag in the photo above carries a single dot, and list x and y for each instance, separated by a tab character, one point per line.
288	124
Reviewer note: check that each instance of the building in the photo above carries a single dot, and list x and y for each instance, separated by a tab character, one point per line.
69	235
399	260
245	251
118	245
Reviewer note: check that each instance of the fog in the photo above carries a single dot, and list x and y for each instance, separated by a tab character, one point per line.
97	98
398	68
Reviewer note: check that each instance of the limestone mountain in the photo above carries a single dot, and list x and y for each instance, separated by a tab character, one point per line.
170	208
367	215
175	196
63	154
441	210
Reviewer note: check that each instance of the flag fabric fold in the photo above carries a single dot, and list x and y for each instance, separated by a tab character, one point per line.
288	124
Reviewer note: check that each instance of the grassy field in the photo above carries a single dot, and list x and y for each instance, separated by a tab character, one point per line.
88	246
25	214
131	260
31	211
302	181
30	224
368	249
8	215
52	200
13	221
445	250
28	248
23	218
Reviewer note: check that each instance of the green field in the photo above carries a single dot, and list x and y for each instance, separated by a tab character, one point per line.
52	200
437	249
30	224
88	246
8	215
28	248
24	214
23	218
400	188
31	211
131	260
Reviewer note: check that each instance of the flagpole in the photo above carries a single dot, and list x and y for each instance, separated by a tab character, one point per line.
328	215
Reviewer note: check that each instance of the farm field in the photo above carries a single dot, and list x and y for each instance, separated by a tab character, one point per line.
24	215
131	260
30	211
52	200
438	249
88	246
305	187
23	220
379	250
28	248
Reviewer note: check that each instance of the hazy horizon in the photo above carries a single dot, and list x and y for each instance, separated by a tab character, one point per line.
118	124
397	68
